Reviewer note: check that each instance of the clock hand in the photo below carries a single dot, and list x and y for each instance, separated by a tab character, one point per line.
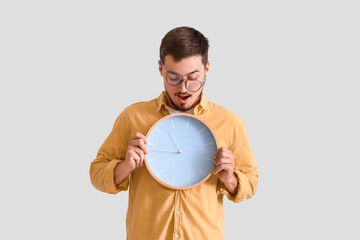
176	143
160	150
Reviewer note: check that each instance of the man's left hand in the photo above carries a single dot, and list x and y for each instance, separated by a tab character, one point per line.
224	162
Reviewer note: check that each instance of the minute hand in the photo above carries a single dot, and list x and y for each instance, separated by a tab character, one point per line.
160	150
176	143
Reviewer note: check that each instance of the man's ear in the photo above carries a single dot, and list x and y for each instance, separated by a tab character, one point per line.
160	68
207	68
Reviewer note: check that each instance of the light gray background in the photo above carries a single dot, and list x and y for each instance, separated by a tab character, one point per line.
289	68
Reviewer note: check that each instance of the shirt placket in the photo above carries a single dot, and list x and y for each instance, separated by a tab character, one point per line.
177	217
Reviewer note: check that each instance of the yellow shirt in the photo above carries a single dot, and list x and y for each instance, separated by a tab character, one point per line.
156	212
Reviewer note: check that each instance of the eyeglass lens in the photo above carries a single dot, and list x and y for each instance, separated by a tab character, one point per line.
192	85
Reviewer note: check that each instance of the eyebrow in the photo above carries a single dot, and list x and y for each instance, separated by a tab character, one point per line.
187	73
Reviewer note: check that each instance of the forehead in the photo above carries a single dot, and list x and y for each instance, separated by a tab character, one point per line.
185	65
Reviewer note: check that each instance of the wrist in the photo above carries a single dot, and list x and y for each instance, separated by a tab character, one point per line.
122	171
231	184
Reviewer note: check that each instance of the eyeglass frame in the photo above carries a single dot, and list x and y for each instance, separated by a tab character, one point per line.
182	79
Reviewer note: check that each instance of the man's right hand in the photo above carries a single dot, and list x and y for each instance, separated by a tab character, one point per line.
136	151
135	157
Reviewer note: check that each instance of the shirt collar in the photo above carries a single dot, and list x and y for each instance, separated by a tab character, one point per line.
161	103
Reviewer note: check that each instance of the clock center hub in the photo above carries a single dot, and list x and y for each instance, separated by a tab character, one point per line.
180	151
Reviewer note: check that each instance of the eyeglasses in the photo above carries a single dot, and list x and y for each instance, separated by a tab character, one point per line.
191	83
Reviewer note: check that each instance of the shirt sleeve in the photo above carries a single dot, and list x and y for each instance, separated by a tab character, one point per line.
111	152
246	170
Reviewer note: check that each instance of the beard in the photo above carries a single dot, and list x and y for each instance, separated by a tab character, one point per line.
181	107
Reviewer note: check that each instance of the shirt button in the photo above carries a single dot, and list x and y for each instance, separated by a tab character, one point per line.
218	192
177	212
221	189
176	235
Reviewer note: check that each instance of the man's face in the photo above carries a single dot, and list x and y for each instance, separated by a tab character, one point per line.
178	97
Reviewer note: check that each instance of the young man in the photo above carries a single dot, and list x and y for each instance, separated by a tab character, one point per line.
156	212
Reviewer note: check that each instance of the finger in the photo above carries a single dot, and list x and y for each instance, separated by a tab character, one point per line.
140	154
224	150
223	167
142	146
140	163
134	157
226	154
140	136
224	160
224	157
221	150
138	143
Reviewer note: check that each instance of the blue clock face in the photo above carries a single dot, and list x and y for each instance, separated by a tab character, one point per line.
181	148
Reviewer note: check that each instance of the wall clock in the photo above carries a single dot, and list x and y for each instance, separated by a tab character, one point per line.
181	148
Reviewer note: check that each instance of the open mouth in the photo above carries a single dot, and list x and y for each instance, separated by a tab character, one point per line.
183	98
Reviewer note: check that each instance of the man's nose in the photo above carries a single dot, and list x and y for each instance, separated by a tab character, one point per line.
181	86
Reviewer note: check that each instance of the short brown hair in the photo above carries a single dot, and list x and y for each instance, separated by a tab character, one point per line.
182	42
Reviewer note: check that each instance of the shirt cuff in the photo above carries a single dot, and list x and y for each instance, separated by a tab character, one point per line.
242	193
109	178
